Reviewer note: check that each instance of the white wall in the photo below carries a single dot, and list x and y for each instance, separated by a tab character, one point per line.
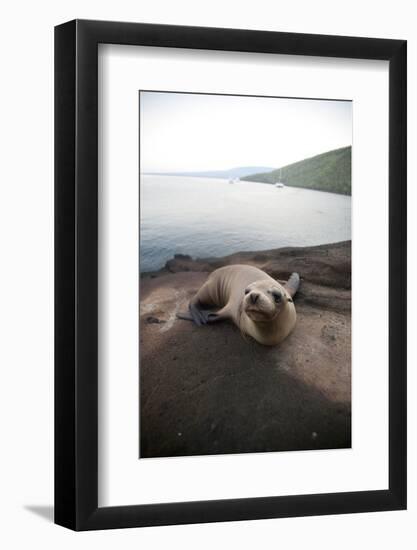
26	291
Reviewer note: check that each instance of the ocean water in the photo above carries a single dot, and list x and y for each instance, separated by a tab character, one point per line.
205	217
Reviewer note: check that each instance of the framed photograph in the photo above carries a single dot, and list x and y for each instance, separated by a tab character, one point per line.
230	252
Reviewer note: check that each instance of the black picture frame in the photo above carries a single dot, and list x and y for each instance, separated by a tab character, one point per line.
76	272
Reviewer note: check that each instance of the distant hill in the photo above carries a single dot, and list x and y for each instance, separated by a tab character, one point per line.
329	171
239	172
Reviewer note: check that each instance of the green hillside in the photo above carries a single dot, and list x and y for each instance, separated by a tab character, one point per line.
329	171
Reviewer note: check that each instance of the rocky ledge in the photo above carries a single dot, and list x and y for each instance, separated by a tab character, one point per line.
206	390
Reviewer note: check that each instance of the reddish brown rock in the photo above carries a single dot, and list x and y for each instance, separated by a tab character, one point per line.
225	394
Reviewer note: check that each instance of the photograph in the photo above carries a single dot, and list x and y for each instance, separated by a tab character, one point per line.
245	274
206	342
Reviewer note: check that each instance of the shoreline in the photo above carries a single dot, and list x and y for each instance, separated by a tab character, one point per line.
325	264
286	185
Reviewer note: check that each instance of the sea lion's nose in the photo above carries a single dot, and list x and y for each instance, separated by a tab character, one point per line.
254	297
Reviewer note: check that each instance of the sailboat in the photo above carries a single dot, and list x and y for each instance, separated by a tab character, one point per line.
279	183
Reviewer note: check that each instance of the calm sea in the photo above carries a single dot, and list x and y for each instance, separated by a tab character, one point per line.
205	217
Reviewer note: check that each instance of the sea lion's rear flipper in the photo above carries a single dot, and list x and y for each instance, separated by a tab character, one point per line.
291	286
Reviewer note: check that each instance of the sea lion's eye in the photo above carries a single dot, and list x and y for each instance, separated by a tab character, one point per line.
277	296
247	290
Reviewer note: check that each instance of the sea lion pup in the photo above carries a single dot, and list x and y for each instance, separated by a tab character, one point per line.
258	304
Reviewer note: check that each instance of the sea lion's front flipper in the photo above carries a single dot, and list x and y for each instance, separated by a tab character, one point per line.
203	316
184	316
212	317
194	315
200	316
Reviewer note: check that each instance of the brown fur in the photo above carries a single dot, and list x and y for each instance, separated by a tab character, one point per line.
258	304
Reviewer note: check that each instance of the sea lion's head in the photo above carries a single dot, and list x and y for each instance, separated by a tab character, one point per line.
264	300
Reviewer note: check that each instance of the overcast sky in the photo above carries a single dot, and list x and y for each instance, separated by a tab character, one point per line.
189	132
